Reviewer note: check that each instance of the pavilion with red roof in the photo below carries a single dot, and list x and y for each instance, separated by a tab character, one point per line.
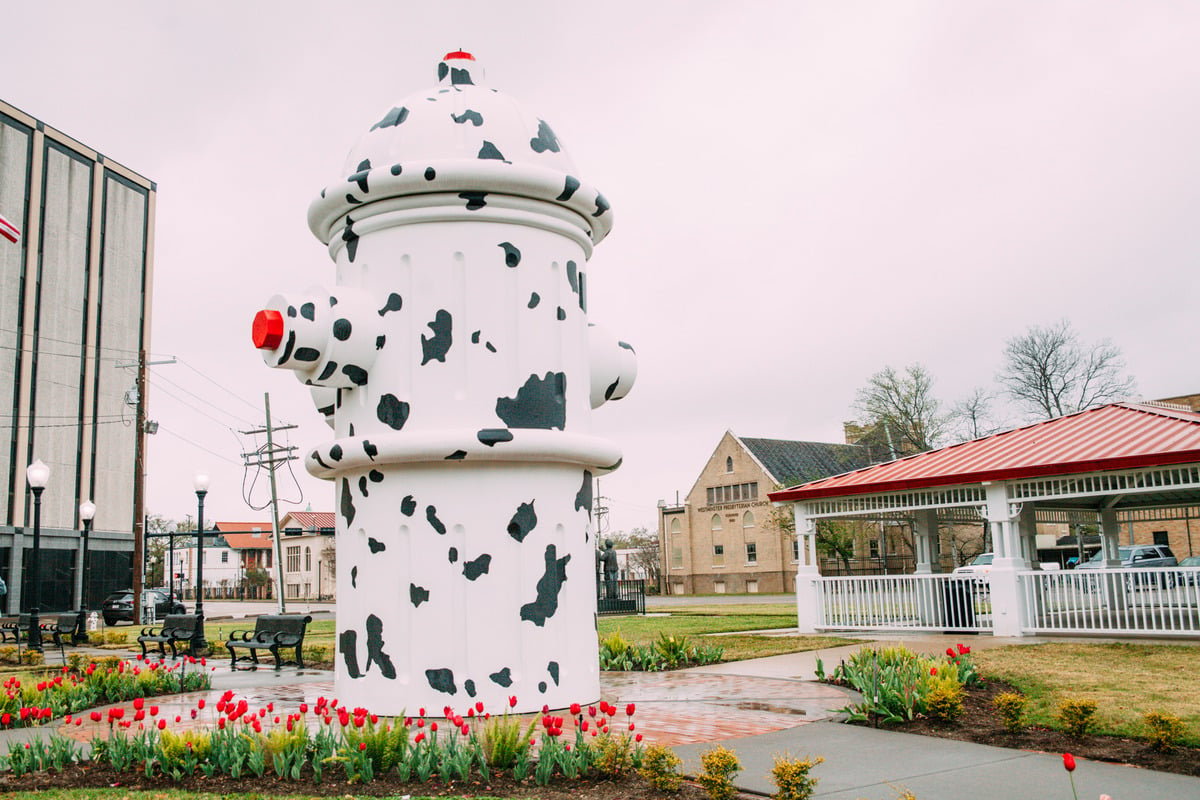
1119	458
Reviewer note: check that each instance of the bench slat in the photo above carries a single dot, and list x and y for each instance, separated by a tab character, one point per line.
271	632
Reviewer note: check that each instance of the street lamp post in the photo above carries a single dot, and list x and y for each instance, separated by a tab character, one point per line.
37	475
201	485
87	512
171	561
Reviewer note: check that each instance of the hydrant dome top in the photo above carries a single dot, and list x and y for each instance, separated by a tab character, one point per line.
460	136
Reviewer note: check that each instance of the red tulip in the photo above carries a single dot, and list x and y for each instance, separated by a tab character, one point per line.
1069	762
950	652
162	723
433	727
575	709
479	706
154	711
137	703
220	723
637	738
304	708
629	709
362	746
200	703
512	701
95	717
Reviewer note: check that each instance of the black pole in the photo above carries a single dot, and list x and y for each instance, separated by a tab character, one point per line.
34	637
81	635
171	540
199	642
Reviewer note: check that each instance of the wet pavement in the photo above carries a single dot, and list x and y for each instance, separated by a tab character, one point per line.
672	707
759	708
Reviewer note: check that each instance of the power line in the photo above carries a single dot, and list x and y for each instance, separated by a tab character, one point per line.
42	337
218	384
199	446
40	352
155	380
63	424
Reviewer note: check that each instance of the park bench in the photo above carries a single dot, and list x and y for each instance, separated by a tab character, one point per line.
13	628
66	624
175	628
52	626
271	632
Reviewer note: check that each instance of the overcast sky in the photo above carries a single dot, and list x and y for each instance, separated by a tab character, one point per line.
802	192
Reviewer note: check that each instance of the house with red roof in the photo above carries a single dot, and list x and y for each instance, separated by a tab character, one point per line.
308	555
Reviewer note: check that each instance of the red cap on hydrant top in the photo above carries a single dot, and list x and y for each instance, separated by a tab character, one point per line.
268	329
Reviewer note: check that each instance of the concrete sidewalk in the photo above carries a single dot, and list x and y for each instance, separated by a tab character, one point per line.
878	765
868	764
759	708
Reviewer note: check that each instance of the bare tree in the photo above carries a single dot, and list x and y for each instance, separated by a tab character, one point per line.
1051	373
903	409
973	416
646	556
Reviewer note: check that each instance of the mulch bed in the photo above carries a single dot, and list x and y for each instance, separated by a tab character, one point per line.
628	787
981	724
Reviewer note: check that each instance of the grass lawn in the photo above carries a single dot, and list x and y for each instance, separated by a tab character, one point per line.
125	794
740	647
698	622
1125	680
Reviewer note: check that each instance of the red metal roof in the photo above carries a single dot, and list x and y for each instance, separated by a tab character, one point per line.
242	527
1112	437
309	520
248	541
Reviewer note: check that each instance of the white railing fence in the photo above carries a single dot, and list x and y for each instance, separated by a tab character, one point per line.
904	602
1144	602
1157	602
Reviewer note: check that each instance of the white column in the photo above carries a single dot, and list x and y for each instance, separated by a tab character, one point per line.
1027	527
808	590
1007	602
1110	530
925	531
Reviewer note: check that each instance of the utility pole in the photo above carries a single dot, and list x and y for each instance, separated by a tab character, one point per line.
601	513
270	458
139	473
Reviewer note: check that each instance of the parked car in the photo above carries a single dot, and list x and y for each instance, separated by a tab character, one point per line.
1138	556
977	571
1191	577
980	565
118	606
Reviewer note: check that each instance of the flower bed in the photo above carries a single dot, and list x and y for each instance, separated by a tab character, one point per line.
330	743
80	686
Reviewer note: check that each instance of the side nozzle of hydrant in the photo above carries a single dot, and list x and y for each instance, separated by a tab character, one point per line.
614	366
327	339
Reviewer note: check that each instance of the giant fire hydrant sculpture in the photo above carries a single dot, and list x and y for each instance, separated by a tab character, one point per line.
455	363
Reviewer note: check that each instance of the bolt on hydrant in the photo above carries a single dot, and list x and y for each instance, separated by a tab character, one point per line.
456	365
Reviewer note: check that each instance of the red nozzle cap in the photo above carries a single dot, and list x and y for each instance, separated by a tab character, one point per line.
268	329
459	54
